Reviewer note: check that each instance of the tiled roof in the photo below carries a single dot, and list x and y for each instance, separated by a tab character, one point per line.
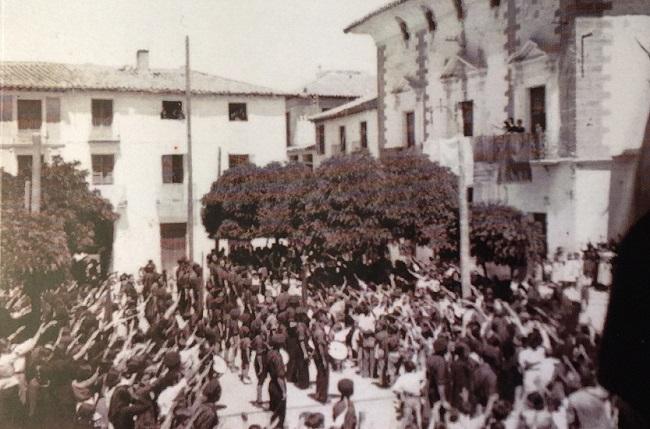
61	77
373	14
359	105
341	83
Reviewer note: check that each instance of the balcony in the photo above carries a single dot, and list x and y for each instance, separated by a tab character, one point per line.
511	154
355	146
336	149
103	133
517	147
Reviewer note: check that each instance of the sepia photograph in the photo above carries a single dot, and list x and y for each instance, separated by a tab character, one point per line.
324	214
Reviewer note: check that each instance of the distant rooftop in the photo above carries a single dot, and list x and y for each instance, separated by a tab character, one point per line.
43	76
355	106
340	83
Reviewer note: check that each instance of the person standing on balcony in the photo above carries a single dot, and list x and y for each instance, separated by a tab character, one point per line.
519	128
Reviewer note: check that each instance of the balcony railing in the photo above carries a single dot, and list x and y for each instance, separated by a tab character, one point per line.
515	147
335	149
104	133
512	154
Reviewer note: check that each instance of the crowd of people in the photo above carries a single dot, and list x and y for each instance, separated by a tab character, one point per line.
148	350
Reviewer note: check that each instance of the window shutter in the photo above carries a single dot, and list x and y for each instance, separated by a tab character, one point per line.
167	168
6	108
52	109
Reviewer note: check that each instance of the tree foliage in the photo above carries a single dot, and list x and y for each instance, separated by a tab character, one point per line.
344	210
504	235
419	200
355	202
37	248
348	203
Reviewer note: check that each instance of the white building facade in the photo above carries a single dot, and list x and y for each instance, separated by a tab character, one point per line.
128	128
571	71
349	128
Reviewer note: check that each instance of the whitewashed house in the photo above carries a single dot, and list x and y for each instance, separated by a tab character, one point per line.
127	126
348	128
329	91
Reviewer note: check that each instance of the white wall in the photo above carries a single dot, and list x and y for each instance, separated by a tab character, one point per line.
352	131
143	139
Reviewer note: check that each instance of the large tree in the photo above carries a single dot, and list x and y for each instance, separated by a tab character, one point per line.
36	248
234	197
504	235
343	213
282	206
419	200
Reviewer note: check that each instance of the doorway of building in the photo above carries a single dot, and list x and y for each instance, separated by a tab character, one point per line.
172	244
537	108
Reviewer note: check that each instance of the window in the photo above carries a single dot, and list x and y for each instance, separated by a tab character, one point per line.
52	110
404	30
363	134
237	112
287	119
235	160
172	110
293	158
537	108
25	165
470	194
467	110
172	168
342	141
410	129
30	114
6	108
320	138
102	111
431	20
103	169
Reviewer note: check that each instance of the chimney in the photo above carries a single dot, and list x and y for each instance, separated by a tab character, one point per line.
142	61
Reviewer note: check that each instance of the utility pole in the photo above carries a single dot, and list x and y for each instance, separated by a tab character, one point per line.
219	164
36	173
463	211
188	119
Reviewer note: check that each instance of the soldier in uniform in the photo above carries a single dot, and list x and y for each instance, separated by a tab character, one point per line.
322	364
261	370
278	384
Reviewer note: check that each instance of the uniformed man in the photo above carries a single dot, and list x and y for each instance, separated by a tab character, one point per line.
322	364
261	369
278	384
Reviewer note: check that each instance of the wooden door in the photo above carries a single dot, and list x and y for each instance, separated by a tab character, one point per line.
172	244
537	108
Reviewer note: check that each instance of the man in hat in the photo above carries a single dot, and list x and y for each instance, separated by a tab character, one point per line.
206	415
344	413
278	384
